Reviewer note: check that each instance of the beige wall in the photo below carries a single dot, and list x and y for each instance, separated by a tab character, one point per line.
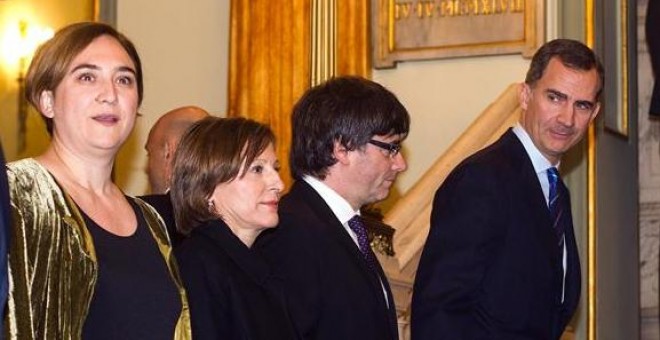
195	73
443	98
184	49
53	14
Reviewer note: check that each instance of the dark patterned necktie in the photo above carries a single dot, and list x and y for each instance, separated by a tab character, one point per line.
556	204
357	225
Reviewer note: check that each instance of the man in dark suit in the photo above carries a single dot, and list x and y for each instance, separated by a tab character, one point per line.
501	261
4	236
347	134
161	145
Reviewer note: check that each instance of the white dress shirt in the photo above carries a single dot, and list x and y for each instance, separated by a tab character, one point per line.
342	210
541	165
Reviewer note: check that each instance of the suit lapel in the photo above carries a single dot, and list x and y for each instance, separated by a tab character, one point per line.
537	207
331	226
389	307
534	206
573	272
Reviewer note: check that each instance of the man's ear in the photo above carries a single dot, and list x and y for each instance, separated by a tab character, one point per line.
524	95
168	150
46	102
340	153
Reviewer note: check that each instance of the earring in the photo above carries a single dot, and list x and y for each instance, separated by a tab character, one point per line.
211	206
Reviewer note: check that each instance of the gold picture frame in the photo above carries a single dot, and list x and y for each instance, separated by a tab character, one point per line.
434	29
616	58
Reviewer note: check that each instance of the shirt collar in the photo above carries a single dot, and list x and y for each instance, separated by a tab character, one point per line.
339	206
540	163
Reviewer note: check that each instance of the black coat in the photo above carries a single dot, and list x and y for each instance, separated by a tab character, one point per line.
232	291
491	266
332	294
163	205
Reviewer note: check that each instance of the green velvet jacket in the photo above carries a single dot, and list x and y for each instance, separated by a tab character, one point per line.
52	262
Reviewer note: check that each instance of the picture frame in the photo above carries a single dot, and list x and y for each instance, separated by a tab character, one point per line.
618	61
407	30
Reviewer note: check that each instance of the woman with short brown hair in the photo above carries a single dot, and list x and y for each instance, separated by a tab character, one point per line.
225	192
87	261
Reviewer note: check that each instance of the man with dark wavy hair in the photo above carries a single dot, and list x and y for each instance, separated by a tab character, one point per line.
347	135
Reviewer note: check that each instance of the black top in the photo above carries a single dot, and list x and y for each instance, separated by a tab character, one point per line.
134	297
233	293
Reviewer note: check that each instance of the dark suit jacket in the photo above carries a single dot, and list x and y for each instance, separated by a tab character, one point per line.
653	41
233	293
491	267
4	236
332	294
163	205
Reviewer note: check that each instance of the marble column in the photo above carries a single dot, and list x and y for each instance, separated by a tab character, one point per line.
649	182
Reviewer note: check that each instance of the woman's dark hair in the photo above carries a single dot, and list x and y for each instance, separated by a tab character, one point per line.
213	151
52	60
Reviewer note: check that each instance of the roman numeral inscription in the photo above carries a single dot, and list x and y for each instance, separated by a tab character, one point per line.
453	8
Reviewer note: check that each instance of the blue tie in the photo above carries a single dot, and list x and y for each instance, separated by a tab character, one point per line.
555	203
357	225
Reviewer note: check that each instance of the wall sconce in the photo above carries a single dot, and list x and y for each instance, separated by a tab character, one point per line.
20	46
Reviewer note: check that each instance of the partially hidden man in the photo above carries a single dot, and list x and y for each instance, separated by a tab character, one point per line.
501	261
162	142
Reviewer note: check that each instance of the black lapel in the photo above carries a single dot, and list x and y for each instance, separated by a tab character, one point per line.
534	205
331	225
